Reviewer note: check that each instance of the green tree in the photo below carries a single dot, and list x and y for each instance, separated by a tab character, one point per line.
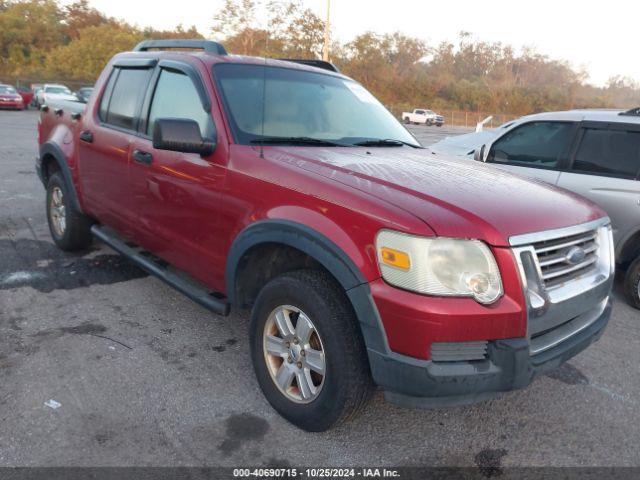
86	56
79	15
28	30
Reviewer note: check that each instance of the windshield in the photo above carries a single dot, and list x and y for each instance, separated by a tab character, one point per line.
302	104
57	90
7	89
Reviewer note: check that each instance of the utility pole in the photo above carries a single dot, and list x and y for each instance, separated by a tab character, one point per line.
327	34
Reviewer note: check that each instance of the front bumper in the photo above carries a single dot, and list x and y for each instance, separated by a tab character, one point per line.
17	104
414	383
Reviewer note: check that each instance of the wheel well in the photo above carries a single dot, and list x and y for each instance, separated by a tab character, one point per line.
49	166
630	251
263	262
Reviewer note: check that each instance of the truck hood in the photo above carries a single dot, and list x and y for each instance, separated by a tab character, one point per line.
455	197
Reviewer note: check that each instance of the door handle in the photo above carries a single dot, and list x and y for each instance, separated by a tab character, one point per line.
142	157
86	136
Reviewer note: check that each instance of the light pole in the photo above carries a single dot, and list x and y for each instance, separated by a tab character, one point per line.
327	34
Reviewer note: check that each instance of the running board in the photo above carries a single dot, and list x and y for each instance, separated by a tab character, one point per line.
197	294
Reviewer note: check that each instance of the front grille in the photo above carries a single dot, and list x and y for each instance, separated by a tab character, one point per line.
458	351
567	275
567	258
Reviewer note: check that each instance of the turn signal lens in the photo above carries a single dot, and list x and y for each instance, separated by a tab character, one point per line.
395	258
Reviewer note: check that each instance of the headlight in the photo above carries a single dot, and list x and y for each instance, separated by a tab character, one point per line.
439	266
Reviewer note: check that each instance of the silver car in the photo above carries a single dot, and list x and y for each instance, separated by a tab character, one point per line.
595	153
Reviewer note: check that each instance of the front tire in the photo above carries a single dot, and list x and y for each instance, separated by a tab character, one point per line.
307	350
632	283
70	229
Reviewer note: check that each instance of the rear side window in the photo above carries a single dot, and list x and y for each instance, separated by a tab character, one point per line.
536	144
176	97
104	103
609	152
123	96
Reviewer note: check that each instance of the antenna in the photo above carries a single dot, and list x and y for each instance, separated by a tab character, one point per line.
264	91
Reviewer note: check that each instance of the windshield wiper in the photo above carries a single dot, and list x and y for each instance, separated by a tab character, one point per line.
297	141
384	142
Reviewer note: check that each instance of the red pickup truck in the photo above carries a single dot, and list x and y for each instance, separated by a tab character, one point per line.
286	188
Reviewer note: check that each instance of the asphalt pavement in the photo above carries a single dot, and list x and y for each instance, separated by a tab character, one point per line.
102	365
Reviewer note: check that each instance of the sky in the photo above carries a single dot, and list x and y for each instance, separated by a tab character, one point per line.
600	37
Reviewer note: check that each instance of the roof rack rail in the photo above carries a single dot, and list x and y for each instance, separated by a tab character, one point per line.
634	112
207	45
313	63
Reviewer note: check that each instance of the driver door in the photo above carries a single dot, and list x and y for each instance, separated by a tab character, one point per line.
178	195
536	149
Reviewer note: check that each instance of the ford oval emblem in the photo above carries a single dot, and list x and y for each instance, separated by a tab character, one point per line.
575	255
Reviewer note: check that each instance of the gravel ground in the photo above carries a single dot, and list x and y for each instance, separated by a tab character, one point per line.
144	376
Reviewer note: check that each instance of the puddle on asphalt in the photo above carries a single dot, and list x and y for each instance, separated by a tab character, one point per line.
44	267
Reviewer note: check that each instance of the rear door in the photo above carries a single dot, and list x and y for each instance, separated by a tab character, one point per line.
535	149
104	145
604	168
177	195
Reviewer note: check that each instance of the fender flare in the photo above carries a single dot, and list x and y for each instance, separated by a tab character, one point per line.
49	148
325	252
628	248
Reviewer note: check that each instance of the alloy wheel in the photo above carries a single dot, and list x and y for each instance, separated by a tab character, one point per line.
294	354
57	211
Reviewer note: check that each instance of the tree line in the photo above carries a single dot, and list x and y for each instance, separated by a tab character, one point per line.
45	39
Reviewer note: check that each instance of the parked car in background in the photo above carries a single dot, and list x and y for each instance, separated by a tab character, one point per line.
36	88
27	96
10	98
83	94
595	153
363	260
51	93
422	116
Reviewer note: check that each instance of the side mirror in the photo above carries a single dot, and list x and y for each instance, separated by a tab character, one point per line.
181	135
478	154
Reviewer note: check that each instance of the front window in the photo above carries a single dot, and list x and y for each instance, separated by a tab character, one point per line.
272	102
535	144
176	97
7	89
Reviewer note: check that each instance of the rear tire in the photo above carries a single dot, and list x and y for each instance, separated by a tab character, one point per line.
407	121
632	283
279	360
70	229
